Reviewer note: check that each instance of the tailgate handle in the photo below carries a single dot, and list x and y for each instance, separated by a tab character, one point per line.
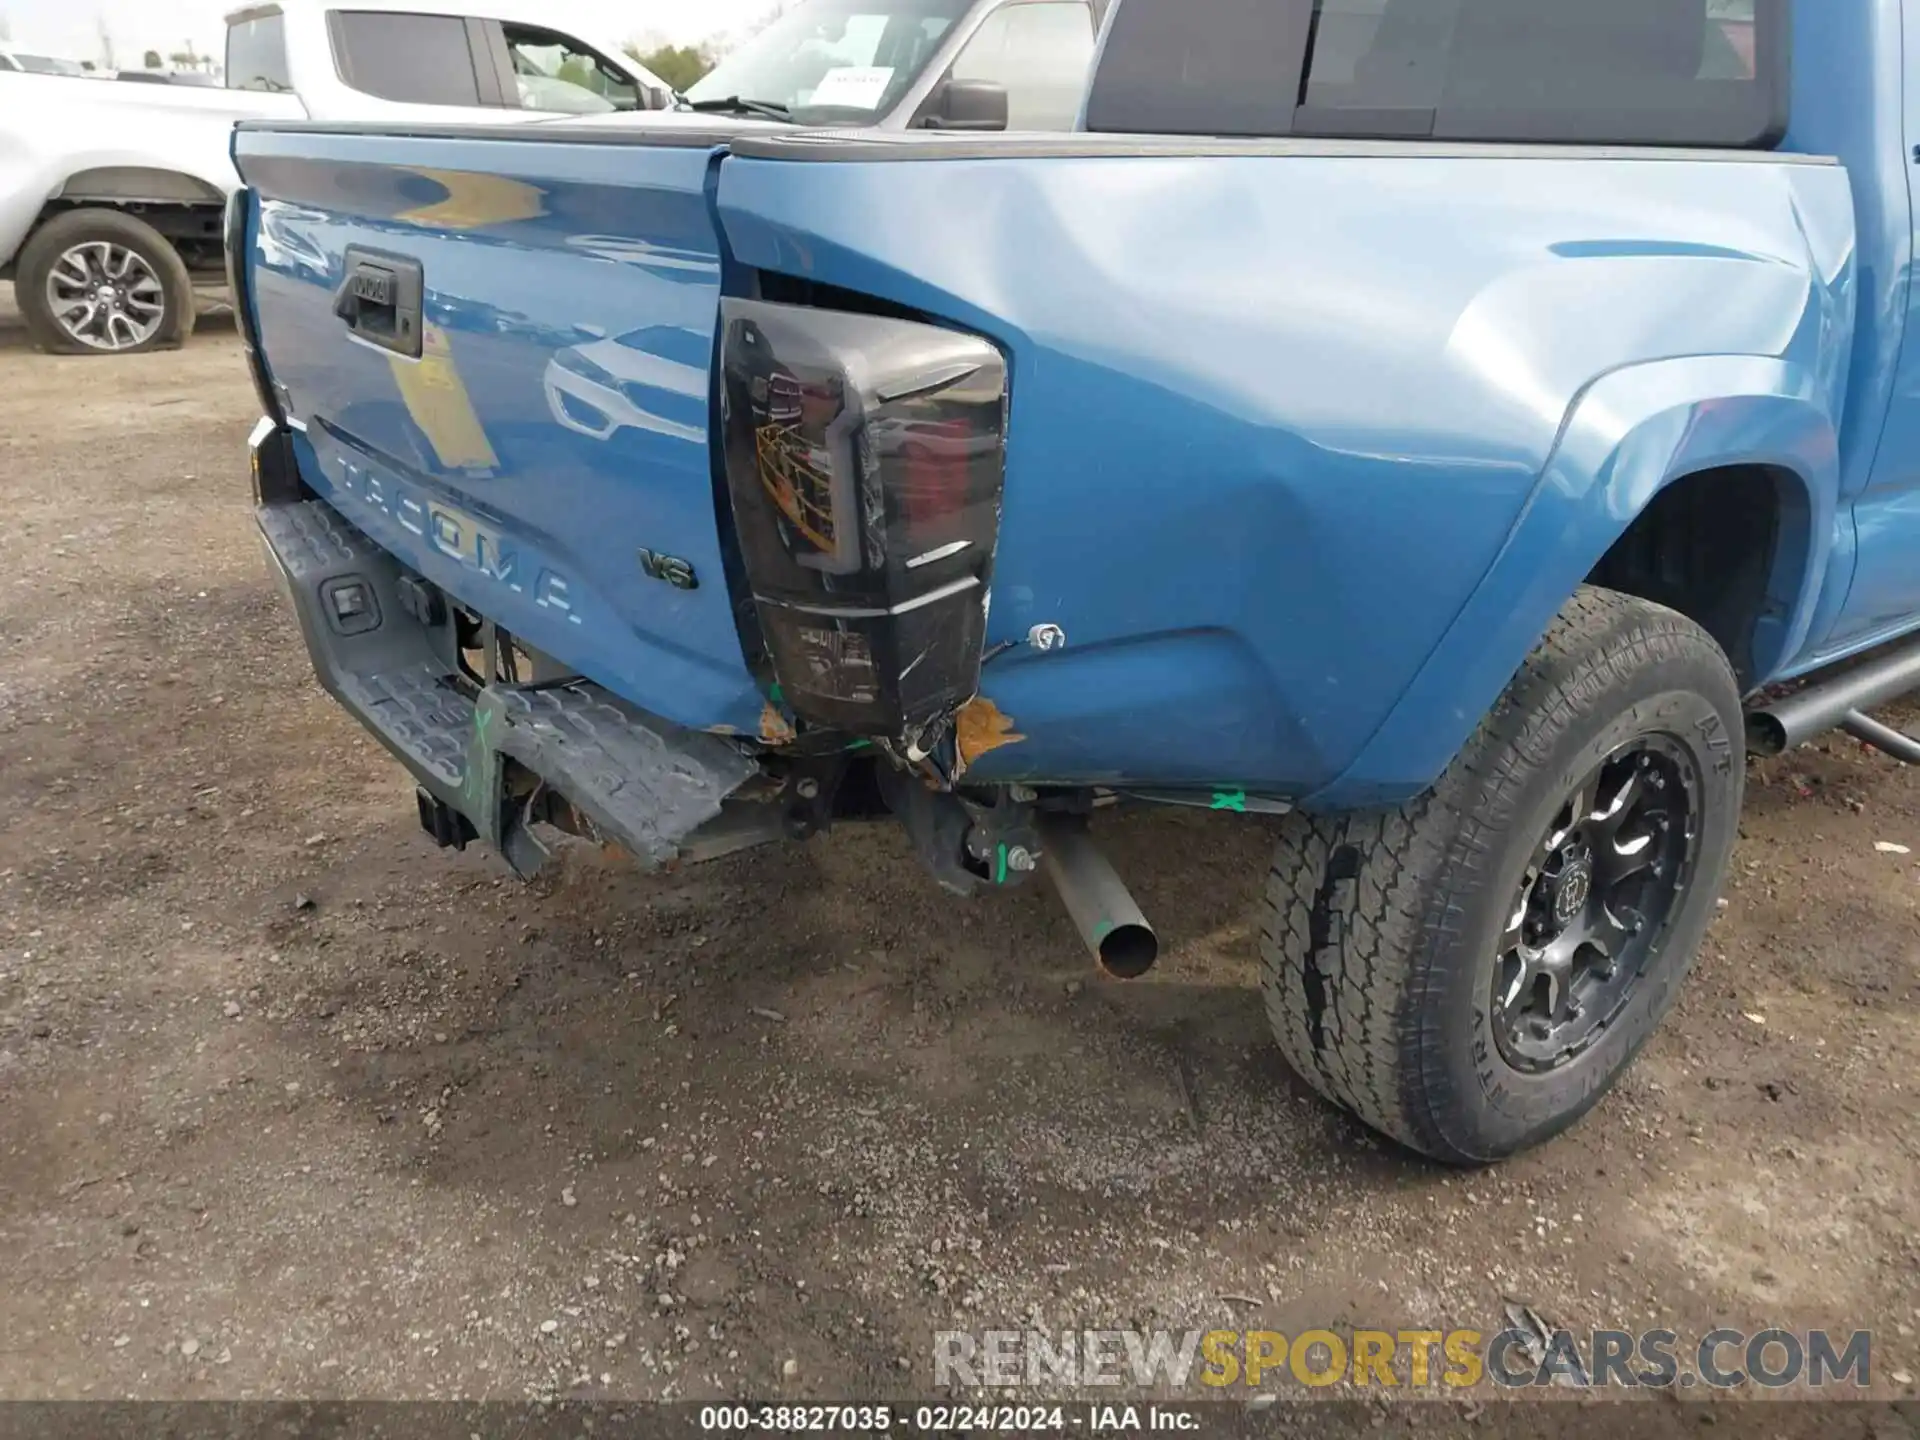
380	300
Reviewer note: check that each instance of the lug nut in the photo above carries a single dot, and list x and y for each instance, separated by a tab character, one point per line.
807	789
1020	858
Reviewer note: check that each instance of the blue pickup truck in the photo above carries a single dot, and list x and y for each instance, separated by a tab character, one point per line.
1440	427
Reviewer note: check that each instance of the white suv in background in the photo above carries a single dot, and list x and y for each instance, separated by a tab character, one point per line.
498	60
111	196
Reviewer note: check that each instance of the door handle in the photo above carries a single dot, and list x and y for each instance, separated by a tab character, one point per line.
380	300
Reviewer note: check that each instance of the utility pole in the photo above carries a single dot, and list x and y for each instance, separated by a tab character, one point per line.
106	43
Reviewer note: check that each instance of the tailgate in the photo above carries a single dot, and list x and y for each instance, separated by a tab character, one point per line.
546	456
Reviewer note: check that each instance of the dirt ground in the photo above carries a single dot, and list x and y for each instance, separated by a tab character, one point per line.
292	1103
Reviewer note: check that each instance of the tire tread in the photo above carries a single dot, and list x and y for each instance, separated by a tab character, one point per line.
1347	964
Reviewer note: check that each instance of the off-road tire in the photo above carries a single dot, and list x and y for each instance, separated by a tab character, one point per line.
1379	935
77	227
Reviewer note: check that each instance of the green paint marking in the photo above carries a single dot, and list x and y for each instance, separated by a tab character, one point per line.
1230	800
776	695
1102	930
860	745
1000	868
479	764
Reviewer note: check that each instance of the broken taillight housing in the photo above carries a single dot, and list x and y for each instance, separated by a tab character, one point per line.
865	460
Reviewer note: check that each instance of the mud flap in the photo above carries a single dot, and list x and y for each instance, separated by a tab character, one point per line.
487	752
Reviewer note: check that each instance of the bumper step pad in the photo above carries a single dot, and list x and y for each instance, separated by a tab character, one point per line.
418	715
644	782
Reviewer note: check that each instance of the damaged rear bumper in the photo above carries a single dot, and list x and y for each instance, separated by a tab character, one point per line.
490	760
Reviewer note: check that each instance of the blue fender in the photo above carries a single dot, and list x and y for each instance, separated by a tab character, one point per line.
1632	433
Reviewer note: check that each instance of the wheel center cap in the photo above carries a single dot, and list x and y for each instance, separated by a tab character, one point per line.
1575	888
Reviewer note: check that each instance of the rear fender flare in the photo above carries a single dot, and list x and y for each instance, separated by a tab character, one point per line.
1630	435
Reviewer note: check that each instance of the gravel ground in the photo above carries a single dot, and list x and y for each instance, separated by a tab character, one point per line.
292	1103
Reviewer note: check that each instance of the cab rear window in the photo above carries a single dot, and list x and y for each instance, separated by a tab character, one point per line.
413	59
1631	72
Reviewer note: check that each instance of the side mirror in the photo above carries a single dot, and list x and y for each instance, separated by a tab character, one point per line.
967	105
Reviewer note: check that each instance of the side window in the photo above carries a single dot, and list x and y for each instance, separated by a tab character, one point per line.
1633	71
257	53
1624	72
556	72
414	59
1041	53
1422	52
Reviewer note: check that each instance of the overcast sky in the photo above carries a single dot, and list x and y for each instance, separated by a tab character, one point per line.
71	27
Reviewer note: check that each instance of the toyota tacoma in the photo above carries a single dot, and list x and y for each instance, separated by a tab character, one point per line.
1457	431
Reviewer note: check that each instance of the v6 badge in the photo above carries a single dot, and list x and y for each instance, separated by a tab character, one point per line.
670	568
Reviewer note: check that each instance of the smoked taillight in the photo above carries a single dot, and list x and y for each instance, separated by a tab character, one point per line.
865	461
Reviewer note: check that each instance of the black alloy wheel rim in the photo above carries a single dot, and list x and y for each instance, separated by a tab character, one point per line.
1598	891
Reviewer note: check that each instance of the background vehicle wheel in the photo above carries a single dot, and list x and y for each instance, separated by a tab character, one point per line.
1470	974
97	282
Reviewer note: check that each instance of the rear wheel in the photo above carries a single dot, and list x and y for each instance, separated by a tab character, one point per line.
1472	973
99	282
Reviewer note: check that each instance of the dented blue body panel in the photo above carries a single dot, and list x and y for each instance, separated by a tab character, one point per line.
1308	442
1275	492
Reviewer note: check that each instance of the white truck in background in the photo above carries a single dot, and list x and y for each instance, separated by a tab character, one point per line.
22	61
112	195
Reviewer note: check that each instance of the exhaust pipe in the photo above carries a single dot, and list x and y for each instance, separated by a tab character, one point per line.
1836	704
1883	738
1098	901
